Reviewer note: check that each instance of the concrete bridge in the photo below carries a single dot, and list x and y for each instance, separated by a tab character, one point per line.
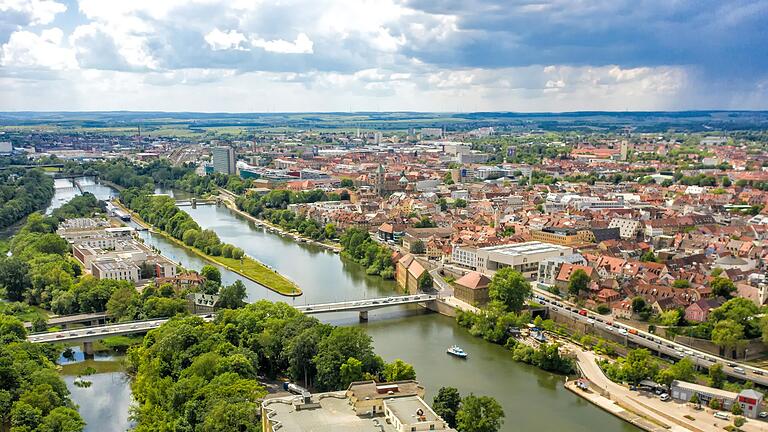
88	335
64	321
194	202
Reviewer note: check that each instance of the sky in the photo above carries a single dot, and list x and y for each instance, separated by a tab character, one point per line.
383	55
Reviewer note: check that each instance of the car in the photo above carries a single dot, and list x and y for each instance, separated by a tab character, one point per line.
90	332
758	372
590	321
583	312
722	415
731	364
622	332
308	309
763	414
659	392
664	397
740	370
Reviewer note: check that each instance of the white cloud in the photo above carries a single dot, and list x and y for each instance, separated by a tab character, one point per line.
302	45
220	40
26	49
38	12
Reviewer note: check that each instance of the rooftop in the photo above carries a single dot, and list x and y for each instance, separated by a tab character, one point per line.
334	414
527	248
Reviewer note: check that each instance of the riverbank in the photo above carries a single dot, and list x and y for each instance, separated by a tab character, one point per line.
336	248
248	267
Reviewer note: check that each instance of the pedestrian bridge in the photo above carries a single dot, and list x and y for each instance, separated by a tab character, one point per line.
88	335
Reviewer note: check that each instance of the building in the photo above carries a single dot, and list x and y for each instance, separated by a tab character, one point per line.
113	268
472	288
699	311
408	272
523	257
560	236
750	400
364	406
628	228
549	269
465	256
199	303
223	160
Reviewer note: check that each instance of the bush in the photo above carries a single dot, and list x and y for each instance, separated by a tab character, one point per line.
603	309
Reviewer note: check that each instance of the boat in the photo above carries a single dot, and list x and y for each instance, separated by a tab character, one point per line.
456	351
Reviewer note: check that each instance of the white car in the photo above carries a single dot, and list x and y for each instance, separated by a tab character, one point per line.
590	321
722	415
664	397
623	332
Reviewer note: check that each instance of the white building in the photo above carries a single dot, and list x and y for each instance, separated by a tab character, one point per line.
223	160
118	269
523	257
465	256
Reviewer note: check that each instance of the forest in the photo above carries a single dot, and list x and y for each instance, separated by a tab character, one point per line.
193	375
23	192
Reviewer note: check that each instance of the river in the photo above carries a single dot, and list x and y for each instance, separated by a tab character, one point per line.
532	399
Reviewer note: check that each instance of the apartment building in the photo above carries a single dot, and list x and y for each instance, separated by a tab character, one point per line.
523	257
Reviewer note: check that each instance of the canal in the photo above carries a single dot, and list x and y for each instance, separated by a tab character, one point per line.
532	399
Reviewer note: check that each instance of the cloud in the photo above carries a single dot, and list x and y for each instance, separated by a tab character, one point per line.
220	40
402	54
28	50
302	45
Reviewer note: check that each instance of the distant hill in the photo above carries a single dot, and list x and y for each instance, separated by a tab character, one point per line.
640	121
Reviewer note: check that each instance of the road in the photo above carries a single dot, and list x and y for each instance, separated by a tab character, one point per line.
676	414
645	339
364	305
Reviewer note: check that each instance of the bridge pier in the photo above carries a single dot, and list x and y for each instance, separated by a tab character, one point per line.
364	315
88	349
194	202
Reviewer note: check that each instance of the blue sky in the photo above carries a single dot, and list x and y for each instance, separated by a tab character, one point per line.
421	55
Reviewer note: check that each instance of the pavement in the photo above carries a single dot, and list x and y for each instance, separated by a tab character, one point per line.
647	405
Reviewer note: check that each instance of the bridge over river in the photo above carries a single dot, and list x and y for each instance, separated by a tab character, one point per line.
88	335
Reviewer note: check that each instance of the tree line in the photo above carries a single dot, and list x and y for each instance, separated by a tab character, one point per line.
23	192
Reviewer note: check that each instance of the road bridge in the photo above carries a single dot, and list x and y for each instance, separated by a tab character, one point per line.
88	335
63	321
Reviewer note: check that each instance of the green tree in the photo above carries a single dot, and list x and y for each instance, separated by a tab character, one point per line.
695	399
14	278
232	296
722	287
727	334
347	183
681	283
648	257
736	409
670	317
639	365
446	404
716	376
417	247
350	371
479	414
398	371
11	329
578	282
739	421
425	281
638	304
335	349
124	304
509	287
211	273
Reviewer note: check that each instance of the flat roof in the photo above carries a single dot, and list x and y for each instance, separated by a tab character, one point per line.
335	414
527	248
704	389
405	409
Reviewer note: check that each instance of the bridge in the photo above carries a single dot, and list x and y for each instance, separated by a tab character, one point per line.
88	335
194	202
64	321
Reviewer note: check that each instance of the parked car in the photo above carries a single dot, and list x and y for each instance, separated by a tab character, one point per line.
722	415
664	397
763	414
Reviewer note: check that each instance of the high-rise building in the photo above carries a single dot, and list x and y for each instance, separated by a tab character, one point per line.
224	160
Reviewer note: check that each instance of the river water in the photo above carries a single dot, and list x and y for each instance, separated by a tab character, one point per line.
532	399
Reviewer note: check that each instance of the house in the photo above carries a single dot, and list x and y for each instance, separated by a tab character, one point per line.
699	311
472	288
199	303
408	271
563	278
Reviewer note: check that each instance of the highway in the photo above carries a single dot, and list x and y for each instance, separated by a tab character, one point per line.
651	341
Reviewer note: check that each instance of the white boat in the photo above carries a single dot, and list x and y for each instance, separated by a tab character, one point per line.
456	351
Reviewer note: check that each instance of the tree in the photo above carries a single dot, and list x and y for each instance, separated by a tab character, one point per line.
639	365
648	257
739	421
14	278
460	203
347	183
62	419
638	304
350	371
509	287
446	404
124	304
736	409
716	375
695	399
681	283
727	334
670	317
684	370
425	282
11	329
398	371
722	287
232	296
417	247
479	414
211	273
335	349
578	282
447	178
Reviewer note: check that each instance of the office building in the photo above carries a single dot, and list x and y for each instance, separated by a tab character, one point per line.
523	257
223	160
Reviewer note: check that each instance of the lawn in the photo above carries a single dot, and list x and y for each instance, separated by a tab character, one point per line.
258	272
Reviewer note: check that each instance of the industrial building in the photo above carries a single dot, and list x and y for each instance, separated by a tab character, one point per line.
523	257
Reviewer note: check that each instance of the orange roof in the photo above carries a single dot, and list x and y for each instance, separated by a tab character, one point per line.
474	280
